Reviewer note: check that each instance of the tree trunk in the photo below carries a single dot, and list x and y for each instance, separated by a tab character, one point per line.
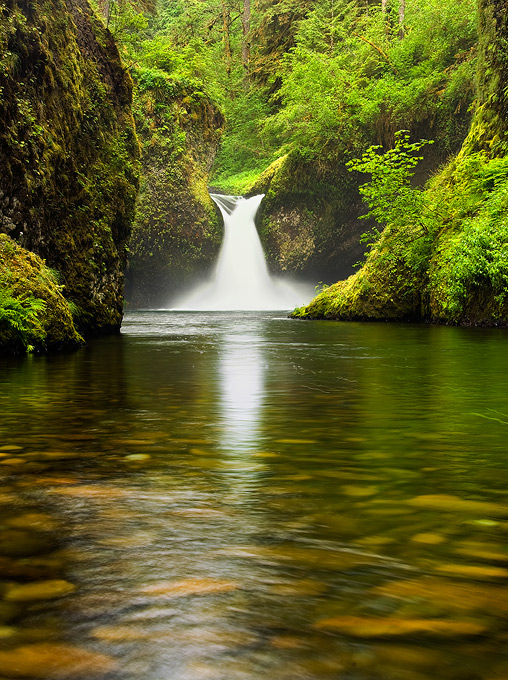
105	10
227	39
245	33
402	14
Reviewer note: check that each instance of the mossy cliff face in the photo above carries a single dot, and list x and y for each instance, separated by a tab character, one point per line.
177	231
68	150
308	219
458	272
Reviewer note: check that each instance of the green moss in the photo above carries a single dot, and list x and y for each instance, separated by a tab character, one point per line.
28	284
307	220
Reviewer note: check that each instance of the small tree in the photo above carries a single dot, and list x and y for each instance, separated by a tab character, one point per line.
389	194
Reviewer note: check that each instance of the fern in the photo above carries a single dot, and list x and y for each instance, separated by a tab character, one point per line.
22	315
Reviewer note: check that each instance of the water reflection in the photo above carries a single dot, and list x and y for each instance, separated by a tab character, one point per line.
241	370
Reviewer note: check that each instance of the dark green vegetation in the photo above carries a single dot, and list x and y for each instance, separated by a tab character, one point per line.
177	232
68	159
451	264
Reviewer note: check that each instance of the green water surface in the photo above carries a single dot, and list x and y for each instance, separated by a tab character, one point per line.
239	496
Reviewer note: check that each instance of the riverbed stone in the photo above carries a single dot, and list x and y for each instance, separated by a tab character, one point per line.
428	538
189	586
457	598
137	539
357	491
407	656
53	455
32	520
137	456
39	590
120	633
448	503
482	551
24	569
90	491
391	627
316	558
50	661
16	543
376	541
8	611
473	571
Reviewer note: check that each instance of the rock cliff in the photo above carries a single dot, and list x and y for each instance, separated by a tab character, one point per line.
177	231
68	151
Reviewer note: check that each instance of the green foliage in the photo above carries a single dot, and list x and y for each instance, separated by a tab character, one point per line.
348	80
126	21
22	315
34	314
244	152
475	257
389	194
351	79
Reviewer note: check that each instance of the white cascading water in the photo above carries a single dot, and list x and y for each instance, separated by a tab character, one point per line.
241	280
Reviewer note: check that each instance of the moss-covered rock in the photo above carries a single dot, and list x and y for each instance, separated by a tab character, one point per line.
308	220
68	150
177	231
24	278
458	272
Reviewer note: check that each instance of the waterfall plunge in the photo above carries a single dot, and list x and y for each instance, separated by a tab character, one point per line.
241	280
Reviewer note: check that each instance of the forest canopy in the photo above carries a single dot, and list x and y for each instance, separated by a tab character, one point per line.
309	77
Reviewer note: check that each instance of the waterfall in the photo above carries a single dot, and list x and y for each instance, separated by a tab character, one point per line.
241	280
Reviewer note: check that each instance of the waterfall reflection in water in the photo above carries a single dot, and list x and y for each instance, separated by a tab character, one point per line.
241	374
242	497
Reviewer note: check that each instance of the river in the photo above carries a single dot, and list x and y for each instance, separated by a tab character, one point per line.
240	496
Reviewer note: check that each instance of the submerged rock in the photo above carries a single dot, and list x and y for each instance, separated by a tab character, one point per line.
456	598
360	627
14	543
54	662
448	503
40	590
473	571
189	586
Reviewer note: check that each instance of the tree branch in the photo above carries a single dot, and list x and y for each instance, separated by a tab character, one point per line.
381	52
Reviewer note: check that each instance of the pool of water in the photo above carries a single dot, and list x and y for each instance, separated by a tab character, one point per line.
240	496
